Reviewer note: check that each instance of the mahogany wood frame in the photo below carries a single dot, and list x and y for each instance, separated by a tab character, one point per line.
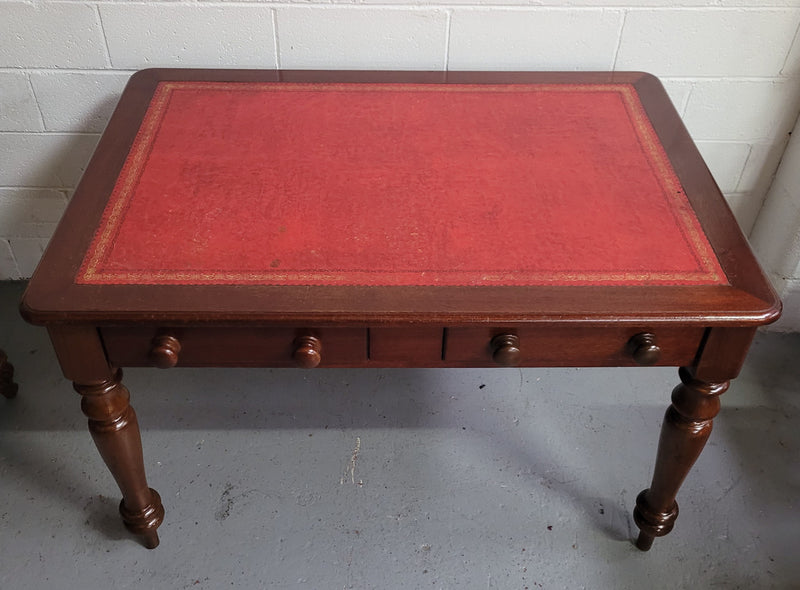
95	329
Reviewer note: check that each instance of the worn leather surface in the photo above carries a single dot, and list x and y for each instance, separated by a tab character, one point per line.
398	184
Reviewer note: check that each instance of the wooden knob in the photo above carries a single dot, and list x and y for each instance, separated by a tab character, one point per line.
307	351
164	351
505	350
644	349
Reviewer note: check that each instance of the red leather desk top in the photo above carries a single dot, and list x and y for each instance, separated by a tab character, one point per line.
398	184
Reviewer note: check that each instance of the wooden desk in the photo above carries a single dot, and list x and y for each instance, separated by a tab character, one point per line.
398	219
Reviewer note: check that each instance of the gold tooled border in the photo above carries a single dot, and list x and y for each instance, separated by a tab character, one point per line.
91	271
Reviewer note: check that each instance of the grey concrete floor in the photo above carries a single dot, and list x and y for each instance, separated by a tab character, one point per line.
339	479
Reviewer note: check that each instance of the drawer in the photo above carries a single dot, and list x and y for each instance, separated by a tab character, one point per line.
234	346
569	346
414	346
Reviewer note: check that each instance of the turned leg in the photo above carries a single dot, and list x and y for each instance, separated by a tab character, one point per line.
115	430
687	425
7	386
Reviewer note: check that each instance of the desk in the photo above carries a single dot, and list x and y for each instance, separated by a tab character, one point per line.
398	219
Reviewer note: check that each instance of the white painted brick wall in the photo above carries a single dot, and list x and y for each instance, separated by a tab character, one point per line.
546	39
51	35
732	68
187	35
8	264
313	37
44	160
27	252
707	42
30	213
776	235
727	160
792	65
77	101
764	109
18	111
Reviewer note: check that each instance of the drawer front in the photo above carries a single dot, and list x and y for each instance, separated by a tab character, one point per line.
234	347
414	346
566	346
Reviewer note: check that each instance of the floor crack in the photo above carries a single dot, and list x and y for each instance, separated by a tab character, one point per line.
351	466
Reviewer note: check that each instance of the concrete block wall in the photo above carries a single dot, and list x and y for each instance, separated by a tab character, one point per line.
776	235
732	67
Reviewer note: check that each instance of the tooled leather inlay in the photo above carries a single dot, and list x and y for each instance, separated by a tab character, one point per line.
398	184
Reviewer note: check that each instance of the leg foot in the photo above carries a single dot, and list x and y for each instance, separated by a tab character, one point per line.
115	430
150	540
7	386
644	541
652	523
144	522
686	428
